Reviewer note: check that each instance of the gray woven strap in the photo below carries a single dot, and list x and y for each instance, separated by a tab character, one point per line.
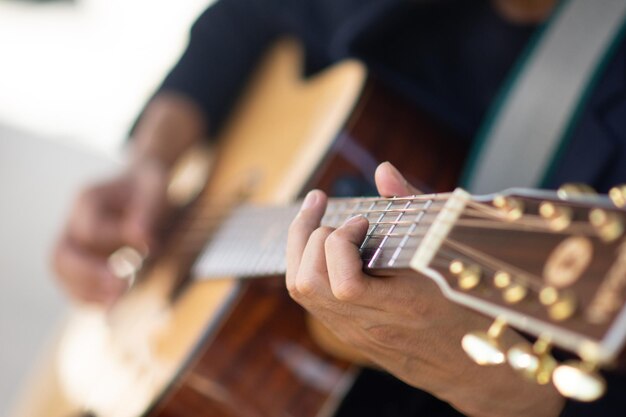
519	142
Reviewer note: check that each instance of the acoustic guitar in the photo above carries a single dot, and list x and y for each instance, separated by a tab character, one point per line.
192	338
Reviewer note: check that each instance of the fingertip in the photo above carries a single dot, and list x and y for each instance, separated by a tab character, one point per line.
312	199
354	229
358	220
390	181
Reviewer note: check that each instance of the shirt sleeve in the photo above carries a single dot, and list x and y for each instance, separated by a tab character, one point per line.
225	44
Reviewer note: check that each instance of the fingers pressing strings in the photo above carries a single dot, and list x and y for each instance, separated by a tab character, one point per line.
307	220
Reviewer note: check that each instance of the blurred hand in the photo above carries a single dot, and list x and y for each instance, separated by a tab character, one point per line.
402	323
126	210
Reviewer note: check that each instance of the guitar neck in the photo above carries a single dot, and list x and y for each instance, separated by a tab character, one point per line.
545	264
251	242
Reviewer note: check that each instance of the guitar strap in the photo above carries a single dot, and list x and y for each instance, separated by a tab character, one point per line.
531	118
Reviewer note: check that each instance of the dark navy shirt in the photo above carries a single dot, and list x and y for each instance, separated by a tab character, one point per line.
449	56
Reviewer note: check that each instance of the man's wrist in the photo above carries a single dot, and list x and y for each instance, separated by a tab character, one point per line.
170	125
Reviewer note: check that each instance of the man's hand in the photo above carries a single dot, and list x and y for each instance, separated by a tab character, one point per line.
124	211
127	210
402	323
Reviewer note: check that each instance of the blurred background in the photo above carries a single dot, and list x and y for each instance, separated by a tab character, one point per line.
73	76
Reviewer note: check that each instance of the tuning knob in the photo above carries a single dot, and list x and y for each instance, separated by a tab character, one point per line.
512	208
533	362
579	381
484	348
558	217
608	225
468	276
570	190
617	195
561	305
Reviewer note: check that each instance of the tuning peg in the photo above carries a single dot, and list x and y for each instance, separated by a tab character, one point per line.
558	217
534	363
484	347
501	279
569	190
468	276
608	225
561	305
579	381
512	292
617	195
513	208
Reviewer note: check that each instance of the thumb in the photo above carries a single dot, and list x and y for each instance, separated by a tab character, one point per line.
391	183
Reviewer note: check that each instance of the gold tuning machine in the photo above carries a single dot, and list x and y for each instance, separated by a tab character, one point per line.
617	195
533	362
512	208
561	305
512	292
558	217
484	348
608	225
468	276
569	190
579	381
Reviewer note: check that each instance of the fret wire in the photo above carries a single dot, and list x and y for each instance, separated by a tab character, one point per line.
391	210
410	231
443	258
355	209
333	216
391	229
400	222
583	229
341	215
223	217
367	238
537	227
418	197
419	234
376	225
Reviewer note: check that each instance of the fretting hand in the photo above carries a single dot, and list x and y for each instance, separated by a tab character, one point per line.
402	323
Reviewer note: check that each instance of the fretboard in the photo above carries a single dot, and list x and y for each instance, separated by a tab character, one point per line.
251	242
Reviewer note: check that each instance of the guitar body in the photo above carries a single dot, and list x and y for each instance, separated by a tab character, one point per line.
233	348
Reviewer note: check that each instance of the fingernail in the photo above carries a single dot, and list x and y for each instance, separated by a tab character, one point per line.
353	219
309	200
394	171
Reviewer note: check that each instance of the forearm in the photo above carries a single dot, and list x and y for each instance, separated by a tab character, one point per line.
169	126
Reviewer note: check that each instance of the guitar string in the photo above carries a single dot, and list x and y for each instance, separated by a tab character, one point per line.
445	256
430	214
442	254
527	278
468	223
412	247
538	226
473	210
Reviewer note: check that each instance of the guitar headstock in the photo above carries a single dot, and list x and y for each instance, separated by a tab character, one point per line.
547	263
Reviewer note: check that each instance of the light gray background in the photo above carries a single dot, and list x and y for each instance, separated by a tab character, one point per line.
37	181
